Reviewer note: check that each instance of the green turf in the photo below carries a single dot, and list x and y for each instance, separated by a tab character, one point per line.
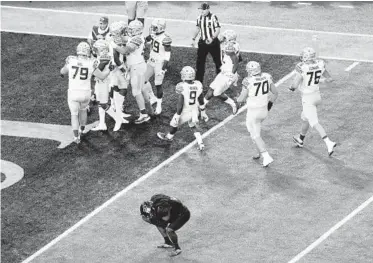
62	186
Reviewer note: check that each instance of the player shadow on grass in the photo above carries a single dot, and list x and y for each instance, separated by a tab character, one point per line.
342	175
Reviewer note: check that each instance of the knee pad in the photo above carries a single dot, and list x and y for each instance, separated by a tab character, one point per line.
104	106
115	88
123	92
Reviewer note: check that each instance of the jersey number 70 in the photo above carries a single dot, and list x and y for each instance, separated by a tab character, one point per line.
264	86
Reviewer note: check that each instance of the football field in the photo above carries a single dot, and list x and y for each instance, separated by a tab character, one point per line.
81	203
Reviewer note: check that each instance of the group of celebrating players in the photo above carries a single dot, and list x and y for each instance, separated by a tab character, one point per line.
116	59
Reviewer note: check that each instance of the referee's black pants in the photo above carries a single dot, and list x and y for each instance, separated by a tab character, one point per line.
203	50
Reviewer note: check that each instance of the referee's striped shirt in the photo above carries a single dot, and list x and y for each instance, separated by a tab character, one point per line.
208	25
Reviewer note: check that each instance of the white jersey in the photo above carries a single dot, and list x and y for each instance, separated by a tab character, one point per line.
258	88
80	72
121	56
159	42
137	56
227	63
191	92
311	73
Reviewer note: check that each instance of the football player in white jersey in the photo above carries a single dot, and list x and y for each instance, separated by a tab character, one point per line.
119	77
80	69
224	79
190	91
307	78
137	68
102	87
158	60
255	91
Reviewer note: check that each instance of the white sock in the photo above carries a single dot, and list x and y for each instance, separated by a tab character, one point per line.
111	112
198	137
327	140
118	99
101	115
169	136
230	102
265	154
159	101
205	101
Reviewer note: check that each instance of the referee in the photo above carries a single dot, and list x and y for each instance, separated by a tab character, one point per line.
208	25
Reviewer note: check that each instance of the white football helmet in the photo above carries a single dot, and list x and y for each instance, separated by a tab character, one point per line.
230	35
187	73
158	26
83	49
117	28
135	28
308	54
230	47
101	47
253	68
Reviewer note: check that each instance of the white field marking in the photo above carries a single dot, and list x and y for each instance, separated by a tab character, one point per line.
304	3
13	173
189	46
346	6
60	133
330	231
138	181
352	66
193	22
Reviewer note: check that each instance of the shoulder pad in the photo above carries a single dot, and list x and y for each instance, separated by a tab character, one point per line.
69	59
299	67
95	63
246	82
137	40
167	40
179	88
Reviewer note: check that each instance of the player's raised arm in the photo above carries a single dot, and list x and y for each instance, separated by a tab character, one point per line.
101	74
297	79
65	69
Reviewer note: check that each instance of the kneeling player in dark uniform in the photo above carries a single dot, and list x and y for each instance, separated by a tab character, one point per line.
168	214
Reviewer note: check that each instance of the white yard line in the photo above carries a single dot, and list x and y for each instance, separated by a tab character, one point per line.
138	181
304	3
352	66
331	231
346	6
181	45
187	21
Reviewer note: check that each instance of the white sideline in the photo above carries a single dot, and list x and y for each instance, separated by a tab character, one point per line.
188	21
352	66
138	181
180	45
331	231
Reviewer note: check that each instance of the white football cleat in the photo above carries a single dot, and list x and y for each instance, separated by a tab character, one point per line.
76	140
153	100
234	108
204	116
158	109
163	136
201	147
267	160
100	127
298	141
125	115
331	148
143	118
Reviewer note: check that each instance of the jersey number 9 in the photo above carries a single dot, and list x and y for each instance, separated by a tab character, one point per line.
192	97
155	46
